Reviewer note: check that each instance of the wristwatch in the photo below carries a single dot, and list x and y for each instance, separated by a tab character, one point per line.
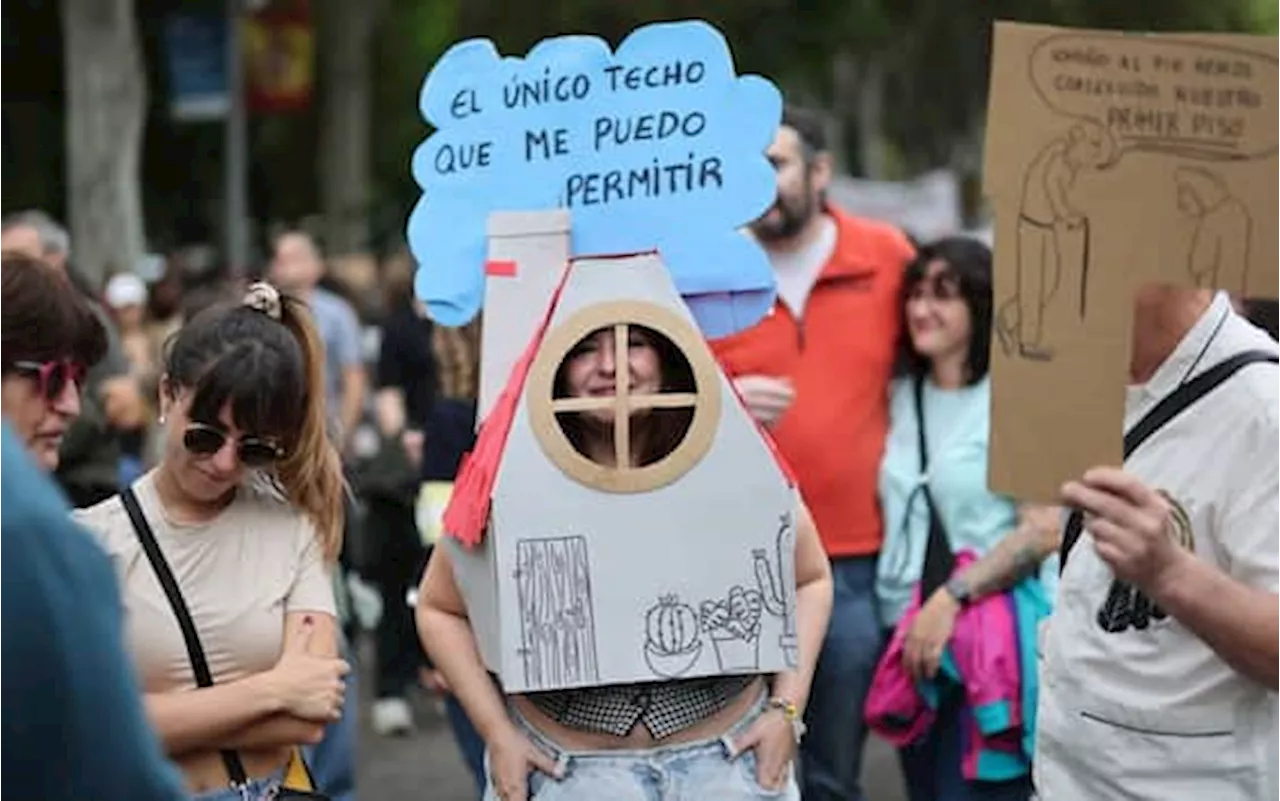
959	589
791	714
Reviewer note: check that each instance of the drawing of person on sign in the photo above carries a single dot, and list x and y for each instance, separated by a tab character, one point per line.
1219	253
1053	239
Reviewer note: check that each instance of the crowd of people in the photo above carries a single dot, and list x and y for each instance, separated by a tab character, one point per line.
238	456
287	356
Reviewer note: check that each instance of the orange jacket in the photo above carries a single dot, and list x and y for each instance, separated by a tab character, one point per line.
839	358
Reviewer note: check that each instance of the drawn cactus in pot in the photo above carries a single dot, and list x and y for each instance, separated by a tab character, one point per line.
779	588
734	626
672	640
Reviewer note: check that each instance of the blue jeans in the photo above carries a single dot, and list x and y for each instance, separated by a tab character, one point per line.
333	759
931	767
697	771
831	753
468	740
256	790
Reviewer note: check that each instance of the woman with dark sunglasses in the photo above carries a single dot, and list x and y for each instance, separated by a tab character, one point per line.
50	339
246	506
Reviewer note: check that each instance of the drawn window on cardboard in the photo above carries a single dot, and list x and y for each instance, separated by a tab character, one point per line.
686	404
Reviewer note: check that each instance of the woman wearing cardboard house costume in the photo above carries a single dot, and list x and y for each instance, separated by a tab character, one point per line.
724	737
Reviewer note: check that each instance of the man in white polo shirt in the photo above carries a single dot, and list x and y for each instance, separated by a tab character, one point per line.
1159	663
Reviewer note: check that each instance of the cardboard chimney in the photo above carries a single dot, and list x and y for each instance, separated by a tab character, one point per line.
578	574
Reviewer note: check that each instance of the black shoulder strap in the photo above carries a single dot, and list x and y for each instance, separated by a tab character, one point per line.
917	387
195	651
939	559
1169	407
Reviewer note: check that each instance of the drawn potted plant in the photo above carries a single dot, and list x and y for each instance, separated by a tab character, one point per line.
734	627
672	642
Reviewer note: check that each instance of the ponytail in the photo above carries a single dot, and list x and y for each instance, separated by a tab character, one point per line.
263	358
311	472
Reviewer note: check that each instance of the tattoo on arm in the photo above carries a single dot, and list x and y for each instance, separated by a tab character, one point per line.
1000	574
1026	561
1017	555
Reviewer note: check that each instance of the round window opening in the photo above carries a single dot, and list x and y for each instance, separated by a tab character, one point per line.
624	397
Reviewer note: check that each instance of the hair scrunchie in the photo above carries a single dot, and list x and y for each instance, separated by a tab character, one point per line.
265	298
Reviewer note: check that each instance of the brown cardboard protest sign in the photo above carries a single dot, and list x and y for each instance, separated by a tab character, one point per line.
1112	160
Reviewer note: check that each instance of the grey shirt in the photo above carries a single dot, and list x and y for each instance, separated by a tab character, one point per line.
340	331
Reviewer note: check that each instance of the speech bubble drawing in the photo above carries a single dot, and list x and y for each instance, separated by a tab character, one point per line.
659	145
1191	99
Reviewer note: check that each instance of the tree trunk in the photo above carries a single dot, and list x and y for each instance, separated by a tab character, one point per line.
106	106
966	161
346	29
843	97
869	116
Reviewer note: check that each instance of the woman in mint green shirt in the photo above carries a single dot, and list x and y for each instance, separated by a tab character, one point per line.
946	346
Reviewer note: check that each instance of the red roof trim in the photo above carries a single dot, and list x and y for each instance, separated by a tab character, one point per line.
467	515
787	473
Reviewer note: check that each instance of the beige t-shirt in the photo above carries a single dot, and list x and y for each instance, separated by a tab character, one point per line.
239	574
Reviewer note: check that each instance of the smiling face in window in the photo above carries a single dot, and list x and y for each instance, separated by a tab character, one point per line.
592	368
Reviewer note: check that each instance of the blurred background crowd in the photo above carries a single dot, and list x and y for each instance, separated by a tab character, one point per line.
192	147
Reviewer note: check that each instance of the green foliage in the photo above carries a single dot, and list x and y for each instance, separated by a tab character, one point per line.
1266	17
411	36
933	54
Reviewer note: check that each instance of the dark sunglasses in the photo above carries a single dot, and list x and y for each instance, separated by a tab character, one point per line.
204	440
52	376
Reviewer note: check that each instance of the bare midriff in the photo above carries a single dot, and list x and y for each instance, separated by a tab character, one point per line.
204	770
571	739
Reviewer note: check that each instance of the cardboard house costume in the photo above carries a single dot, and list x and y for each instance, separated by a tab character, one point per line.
576	574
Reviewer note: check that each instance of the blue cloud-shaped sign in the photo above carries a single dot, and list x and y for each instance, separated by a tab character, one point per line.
657	146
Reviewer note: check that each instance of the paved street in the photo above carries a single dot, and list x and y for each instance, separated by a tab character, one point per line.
427	766
424	767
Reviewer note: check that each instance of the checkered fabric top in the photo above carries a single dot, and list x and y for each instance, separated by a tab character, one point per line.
664	708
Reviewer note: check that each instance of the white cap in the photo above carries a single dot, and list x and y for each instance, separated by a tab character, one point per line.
125	289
